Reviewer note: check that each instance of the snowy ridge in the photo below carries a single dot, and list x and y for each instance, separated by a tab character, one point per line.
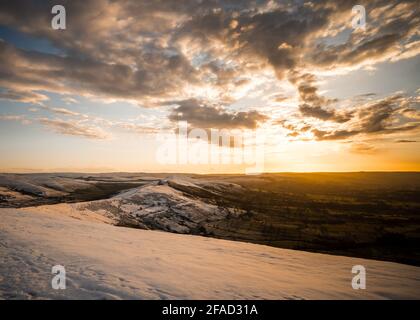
160	206
49	185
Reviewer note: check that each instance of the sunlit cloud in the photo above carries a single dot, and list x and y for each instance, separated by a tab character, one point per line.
215	64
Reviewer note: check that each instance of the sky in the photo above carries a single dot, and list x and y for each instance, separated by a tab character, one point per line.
111	90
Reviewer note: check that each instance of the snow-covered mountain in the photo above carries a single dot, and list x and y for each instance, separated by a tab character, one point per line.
162	205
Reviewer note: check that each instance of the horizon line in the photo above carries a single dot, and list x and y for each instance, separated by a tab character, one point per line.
208	174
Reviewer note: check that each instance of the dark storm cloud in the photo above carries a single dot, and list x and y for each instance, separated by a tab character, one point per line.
317	111
145	50
103	52
385	116
390	25
312	103
352	53
275	36
379	116
200	115
156	76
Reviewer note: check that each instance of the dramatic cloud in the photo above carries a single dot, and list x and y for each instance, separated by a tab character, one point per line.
379	117
323	114
152	51
313	104
204	116
35	71
203	56
385	116
388	35
394	114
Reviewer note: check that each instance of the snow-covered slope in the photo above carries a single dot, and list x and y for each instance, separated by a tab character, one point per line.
49	185
22	190
159	205
104	261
